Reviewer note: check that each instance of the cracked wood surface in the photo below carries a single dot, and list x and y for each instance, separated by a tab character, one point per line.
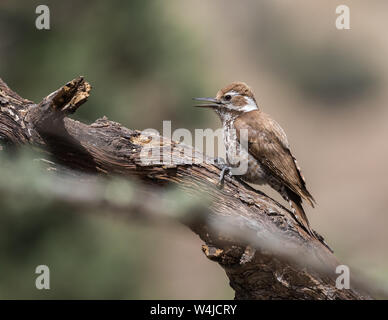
264	252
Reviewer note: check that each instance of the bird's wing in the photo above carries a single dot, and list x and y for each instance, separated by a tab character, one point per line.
268	143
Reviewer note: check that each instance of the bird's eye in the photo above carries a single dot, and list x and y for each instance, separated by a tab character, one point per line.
228	97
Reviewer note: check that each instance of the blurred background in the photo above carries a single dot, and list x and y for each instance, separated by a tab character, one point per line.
145	60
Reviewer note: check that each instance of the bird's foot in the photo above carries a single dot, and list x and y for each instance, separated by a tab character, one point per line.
219	162
225	171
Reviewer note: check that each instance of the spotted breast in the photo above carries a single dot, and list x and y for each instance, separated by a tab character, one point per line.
254	173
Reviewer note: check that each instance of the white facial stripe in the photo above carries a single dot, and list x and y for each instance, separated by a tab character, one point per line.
232	93
250	106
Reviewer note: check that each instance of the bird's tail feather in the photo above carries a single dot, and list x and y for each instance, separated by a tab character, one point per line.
295	202
300	216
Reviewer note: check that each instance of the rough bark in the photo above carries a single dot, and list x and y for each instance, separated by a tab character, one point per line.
264	252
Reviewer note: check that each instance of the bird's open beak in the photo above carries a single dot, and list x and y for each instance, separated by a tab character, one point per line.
211	103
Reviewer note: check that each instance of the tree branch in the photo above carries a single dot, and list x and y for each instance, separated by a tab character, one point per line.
265	254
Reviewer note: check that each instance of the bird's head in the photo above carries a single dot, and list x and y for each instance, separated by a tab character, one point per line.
235	98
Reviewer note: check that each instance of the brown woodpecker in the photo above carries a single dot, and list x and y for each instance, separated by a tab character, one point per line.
267	150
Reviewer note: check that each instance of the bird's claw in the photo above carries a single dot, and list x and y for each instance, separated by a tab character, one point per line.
225	170
219	163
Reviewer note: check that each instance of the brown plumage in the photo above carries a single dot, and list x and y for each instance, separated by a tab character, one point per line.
268	144
240	87
269	157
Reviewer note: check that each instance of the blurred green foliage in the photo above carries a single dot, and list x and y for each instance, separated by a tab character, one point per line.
89	256
143	66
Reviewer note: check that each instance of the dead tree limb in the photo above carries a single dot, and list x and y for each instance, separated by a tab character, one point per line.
275	259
